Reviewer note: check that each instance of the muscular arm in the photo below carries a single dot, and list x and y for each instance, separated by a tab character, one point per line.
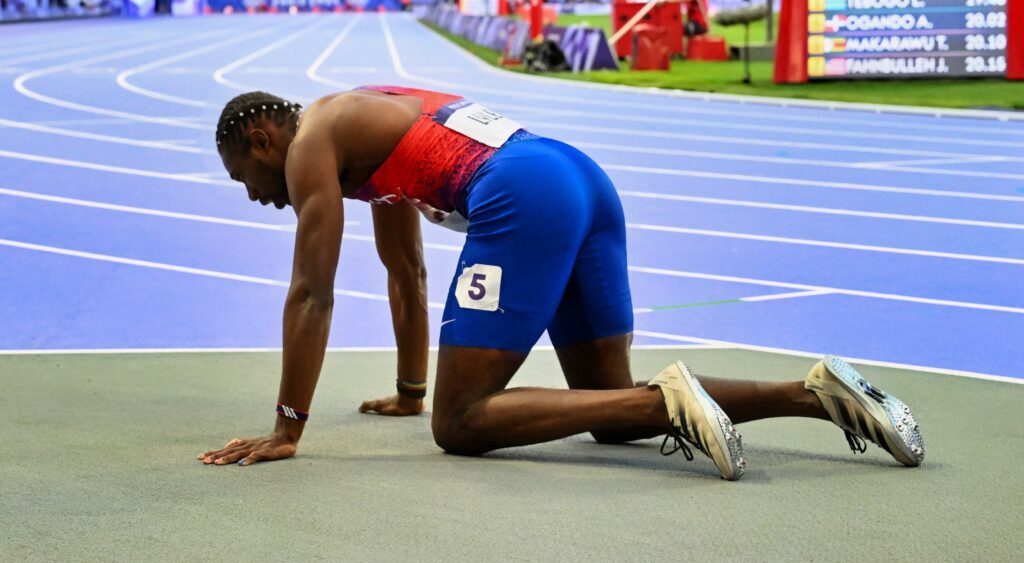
316	196
400	247
319	154
310	302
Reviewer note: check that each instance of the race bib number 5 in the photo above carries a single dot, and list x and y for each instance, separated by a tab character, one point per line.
479	287
477	122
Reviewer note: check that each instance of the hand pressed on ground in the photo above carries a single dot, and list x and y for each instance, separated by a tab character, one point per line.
395	405
250	450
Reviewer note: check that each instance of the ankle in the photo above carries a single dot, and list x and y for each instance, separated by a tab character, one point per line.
657	412
809	401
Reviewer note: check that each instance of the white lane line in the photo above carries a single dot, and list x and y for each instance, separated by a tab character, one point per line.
747	100
25	47
219	74
221	175
794	295
796	161
523	93
818	355
97	121
932	156
396	61
311	72
20	84
682	343
185	269
751	299
842	185
807	287
620	148
773	143
565	112
431	246
112	351
826	244
146	211
809	183
821	210
352	69
957	160
115	169
639	226
678	172
288	228
57	54
185	178
60	35
673	346
122	78
704	124
965	173
124	140
164	145
98	351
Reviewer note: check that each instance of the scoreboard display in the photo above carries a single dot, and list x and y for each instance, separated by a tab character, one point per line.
906	38
855	39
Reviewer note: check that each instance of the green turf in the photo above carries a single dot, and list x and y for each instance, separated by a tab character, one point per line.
99	464
727	77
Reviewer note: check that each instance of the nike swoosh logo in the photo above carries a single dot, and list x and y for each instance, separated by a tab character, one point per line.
448	321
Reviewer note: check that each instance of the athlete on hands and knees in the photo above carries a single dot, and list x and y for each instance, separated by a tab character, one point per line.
545	250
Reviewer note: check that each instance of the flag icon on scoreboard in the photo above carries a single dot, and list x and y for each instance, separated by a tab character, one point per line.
835	5
835	44
835	67
835	24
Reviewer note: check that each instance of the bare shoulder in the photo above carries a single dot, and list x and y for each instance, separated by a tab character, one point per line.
313	158
357	130
314	140
366	111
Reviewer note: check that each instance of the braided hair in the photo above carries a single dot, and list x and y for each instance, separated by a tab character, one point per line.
244	110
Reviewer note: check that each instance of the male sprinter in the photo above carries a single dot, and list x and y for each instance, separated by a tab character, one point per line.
545	249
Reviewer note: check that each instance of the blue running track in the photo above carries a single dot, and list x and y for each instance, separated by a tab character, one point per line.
881	236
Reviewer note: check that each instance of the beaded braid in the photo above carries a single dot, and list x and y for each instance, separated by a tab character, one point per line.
244	110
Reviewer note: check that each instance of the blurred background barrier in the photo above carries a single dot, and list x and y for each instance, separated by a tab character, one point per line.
21	10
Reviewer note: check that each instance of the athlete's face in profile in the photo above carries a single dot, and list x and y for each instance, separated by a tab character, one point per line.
261	169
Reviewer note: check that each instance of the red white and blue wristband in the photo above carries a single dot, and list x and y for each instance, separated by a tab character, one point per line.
288	412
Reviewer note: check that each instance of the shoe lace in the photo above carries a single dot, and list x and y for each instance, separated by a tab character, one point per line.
680	444
857	444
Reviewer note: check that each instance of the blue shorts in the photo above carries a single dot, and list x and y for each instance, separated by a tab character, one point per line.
545	249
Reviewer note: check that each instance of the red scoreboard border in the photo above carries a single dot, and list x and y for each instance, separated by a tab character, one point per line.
791	49
1015	34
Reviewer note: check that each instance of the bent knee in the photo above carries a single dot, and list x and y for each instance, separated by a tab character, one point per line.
610	437
459	438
